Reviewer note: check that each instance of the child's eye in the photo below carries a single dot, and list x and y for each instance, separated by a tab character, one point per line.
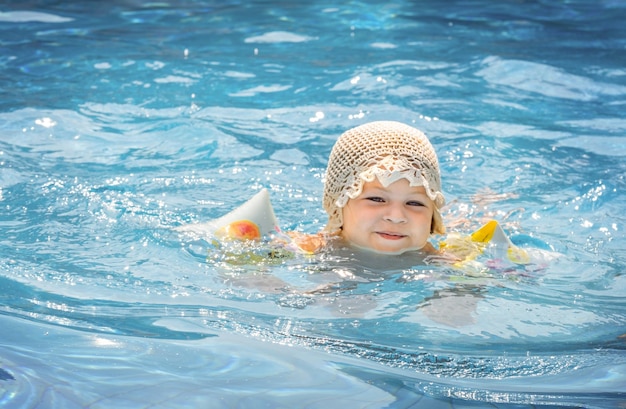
415	203
376	199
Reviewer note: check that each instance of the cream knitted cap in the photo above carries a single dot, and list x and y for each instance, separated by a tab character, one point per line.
385	150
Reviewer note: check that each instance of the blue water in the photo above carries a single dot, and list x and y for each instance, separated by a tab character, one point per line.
121	120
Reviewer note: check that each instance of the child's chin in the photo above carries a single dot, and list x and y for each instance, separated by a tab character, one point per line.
394	252
387	252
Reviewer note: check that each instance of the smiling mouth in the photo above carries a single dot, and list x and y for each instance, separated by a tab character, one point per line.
391	236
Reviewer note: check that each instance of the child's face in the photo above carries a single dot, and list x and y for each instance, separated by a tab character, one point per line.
391	219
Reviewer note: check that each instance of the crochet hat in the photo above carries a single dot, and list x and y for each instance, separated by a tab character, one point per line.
385	150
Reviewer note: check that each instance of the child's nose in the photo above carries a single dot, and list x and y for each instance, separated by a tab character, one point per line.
395	214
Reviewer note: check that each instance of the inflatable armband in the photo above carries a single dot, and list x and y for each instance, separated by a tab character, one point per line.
250	221
489	237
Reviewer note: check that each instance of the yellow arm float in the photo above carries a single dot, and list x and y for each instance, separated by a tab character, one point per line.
489	235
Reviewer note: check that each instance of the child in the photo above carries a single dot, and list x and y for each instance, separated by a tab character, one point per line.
382	191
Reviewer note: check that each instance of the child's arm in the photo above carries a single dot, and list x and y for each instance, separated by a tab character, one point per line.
309	243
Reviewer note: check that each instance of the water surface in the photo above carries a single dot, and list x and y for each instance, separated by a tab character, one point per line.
121	121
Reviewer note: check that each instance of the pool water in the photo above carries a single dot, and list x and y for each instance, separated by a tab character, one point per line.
122	120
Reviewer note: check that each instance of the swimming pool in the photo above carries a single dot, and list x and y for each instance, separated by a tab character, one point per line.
120	121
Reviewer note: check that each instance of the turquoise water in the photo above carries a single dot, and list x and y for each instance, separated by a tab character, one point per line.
120	121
